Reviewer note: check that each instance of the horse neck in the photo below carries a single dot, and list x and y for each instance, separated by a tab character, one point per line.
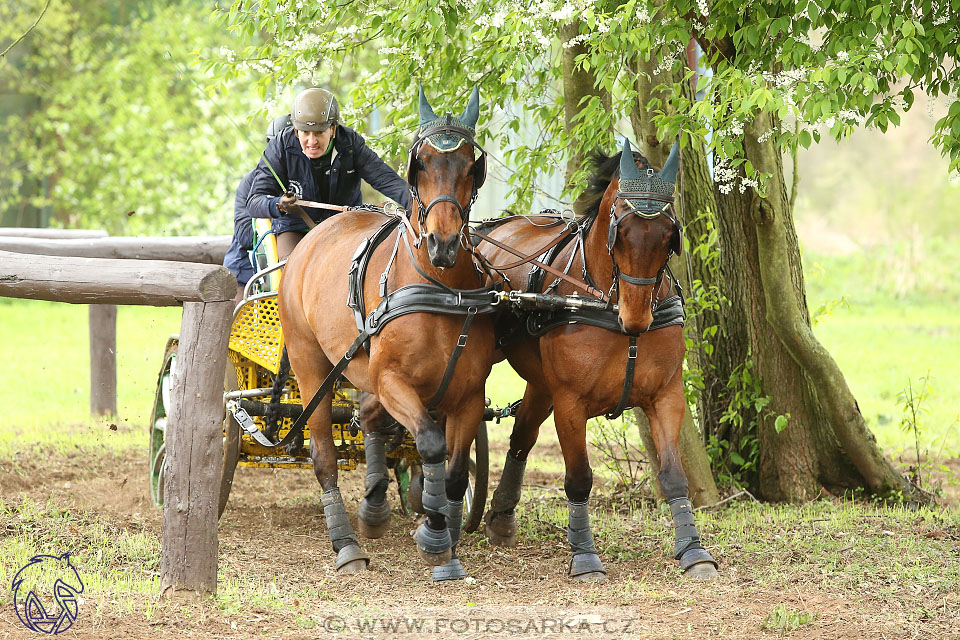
599	264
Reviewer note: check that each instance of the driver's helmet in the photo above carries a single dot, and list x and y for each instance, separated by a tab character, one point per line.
314	110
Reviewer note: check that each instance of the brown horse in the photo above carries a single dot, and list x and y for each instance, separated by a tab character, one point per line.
409	355
583	371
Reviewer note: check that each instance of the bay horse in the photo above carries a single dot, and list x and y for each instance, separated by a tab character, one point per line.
581	371
407	364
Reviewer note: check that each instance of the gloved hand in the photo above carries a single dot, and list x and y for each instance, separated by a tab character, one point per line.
286	201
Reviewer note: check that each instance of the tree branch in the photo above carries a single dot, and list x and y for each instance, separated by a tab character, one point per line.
27	32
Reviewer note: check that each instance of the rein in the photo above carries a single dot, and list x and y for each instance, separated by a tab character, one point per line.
531	259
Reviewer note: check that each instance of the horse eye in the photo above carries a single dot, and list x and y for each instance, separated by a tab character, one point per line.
420	165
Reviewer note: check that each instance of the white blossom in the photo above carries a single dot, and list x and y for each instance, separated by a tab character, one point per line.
574	41
563	12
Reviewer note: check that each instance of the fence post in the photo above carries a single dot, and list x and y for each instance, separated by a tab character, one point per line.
194	451
103	359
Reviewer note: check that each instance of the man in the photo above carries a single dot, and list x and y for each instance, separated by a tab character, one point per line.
321	160
237	259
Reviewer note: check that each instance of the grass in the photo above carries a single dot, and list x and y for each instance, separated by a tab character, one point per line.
886	336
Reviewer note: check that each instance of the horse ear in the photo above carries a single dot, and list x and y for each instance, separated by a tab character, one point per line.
669	171
471	114
628	168
426	111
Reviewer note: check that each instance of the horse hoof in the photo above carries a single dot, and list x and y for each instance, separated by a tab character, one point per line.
452	570
354	566
702	571
372	531
501	528
434	545
373	519
352	559
593	576
587	567
435	559
698	564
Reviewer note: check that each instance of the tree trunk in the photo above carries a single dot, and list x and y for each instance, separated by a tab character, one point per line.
693	455
767	362
577	85
840	432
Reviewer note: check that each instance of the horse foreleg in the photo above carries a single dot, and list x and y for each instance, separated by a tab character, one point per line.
350	557
403	402
500	522
571	421
373	516
666	417
461	431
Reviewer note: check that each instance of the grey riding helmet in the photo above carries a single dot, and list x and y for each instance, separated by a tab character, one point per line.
314	110
278	125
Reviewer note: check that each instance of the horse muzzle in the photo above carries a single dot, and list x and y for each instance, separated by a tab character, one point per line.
635	326
443	253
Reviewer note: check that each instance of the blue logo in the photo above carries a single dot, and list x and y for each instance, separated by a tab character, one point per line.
47	581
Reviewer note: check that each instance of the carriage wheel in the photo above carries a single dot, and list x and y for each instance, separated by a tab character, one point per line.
158	430
475	499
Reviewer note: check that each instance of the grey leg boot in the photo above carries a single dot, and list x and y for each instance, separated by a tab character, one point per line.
374	513
434	544
500	521
452	570
695	561
350	557
585	564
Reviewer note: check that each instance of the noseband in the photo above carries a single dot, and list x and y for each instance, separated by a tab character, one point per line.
666	211
480	167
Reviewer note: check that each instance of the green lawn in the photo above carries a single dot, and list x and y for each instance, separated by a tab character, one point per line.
45	373
883	349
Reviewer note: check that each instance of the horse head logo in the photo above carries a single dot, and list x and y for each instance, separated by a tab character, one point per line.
45	593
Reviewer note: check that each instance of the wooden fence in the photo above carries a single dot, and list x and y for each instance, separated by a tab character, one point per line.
103	315
195	420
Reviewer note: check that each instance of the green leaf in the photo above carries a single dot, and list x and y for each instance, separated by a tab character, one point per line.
780	423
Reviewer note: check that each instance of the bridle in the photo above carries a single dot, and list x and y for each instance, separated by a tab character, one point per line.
479	176
675	244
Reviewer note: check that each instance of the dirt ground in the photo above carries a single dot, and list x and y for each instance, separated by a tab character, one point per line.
277	577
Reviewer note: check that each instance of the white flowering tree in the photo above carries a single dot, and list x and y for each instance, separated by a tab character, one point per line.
785	72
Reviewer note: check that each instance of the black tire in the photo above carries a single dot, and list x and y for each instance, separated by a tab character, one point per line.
157	455
479	478
231	443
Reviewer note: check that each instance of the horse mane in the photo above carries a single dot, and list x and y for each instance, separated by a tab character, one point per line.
605	169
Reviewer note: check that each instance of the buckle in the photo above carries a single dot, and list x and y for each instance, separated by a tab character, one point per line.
462	341
632	352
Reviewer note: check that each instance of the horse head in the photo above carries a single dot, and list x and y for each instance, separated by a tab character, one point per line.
444	172
642	235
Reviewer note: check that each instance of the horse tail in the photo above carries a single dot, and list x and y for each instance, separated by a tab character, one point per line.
272	415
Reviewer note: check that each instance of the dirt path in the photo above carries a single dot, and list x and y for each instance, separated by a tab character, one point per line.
277	577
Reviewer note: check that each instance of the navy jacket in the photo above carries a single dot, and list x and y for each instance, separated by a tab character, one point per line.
352	160
237	259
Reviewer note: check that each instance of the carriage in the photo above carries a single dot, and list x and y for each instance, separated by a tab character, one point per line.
254	358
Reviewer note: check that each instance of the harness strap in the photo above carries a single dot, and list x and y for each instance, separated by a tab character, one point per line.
591	291
627	379
452	363
525	259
